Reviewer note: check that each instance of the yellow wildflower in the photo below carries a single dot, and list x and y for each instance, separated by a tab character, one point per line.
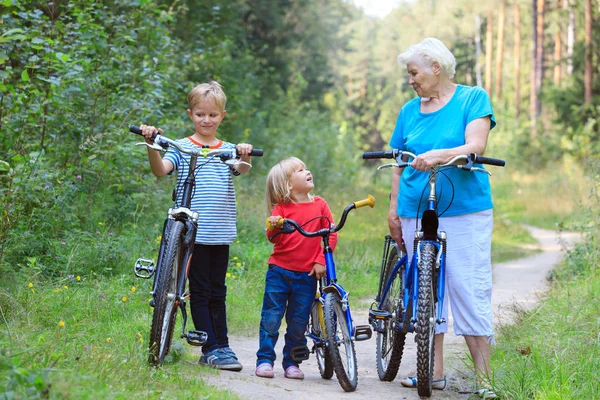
235	258
78	278
65	286
238	264
228	275
124	298
61	324
101	223
30	284
133	289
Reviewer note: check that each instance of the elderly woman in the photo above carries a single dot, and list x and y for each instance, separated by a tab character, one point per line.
446	120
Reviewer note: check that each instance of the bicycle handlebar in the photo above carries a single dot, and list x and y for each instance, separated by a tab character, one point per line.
289	225
468	158
164	142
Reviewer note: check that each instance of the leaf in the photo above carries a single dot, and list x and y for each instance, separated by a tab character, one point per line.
24	76
62	57
4	167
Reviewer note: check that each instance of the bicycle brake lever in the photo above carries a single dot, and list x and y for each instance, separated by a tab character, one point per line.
481	170
237	162
386	166
152	146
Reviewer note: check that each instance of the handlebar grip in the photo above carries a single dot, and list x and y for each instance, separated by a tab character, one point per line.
490	161
256	152
270	226
377	154
369	201
138	131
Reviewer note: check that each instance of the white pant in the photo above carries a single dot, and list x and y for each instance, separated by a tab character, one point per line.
468	271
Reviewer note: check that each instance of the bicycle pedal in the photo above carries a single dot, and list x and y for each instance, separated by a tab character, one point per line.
196	338
300	353
379	314
362	332
144	268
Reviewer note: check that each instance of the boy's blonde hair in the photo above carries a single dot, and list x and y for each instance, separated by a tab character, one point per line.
278	182
212	90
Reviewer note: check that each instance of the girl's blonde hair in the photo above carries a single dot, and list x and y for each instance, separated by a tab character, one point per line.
212	90
278	182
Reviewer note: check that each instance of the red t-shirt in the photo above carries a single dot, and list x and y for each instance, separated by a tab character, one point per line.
296	252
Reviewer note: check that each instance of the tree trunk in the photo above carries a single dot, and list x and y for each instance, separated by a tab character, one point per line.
570	36
478	50
499	50
558	48
587	81
517	57
488	53
539	55
532	91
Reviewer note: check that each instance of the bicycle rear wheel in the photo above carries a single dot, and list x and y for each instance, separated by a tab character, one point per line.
340	345
425	329
317	328
390	343
165	296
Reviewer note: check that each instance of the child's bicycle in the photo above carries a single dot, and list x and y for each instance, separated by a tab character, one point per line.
331	327
408	292
176	248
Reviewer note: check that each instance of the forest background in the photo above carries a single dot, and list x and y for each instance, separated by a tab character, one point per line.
317	79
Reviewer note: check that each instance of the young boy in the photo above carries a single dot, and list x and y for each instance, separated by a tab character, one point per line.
214	200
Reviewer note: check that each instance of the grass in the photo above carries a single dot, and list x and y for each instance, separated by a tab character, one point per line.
87	338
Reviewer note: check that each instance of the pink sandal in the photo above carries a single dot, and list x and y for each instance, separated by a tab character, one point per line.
293	372
265	370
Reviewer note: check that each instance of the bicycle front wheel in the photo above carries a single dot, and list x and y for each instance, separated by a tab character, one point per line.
390	342
165	296
317	328
425	329
340	345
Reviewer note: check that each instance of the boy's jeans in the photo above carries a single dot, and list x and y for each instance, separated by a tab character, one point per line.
290	293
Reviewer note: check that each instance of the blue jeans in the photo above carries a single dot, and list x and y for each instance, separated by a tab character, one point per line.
290	293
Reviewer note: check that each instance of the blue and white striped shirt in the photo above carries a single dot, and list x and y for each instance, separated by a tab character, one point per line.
214	195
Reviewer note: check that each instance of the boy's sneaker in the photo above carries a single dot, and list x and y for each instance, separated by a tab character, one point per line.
228	351
219	360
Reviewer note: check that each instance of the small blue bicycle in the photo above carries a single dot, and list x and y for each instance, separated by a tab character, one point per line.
330	325
409	292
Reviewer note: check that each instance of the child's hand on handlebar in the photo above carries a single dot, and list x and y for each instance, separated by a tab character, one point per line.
272	222
148	131
319	271
244	149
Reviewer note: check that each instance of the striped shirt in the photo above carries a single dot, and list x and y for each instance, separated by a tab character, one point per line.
213	196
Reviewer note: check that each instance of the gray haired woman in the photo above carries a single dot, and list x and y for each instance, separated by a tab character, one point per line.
446	120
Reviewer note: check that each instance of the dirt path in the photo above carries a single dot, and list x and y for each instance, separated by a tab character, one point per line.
516	282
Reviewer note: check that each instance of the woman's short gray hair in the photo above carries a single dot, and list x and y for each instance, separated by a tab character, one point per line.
427	52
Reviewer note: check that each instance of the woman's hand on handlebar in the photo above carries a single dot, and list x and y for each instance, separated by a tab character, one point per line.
148	131
319	271
426	161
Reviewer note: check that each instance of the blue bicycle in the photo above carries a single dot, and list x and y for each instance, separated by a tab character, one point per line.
331	327
411	294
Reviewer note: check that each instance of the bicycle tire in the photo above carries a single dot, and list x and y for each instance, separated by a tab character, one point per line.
317	328
340	345
390	344
425	329
165	301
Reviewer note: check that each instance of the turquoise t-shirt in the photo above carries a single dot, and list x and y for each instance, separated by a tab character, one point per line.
417	132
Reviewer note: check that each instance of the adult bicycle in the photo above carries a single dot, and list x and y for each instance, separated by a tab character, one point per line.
331	327
411	294
176	248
